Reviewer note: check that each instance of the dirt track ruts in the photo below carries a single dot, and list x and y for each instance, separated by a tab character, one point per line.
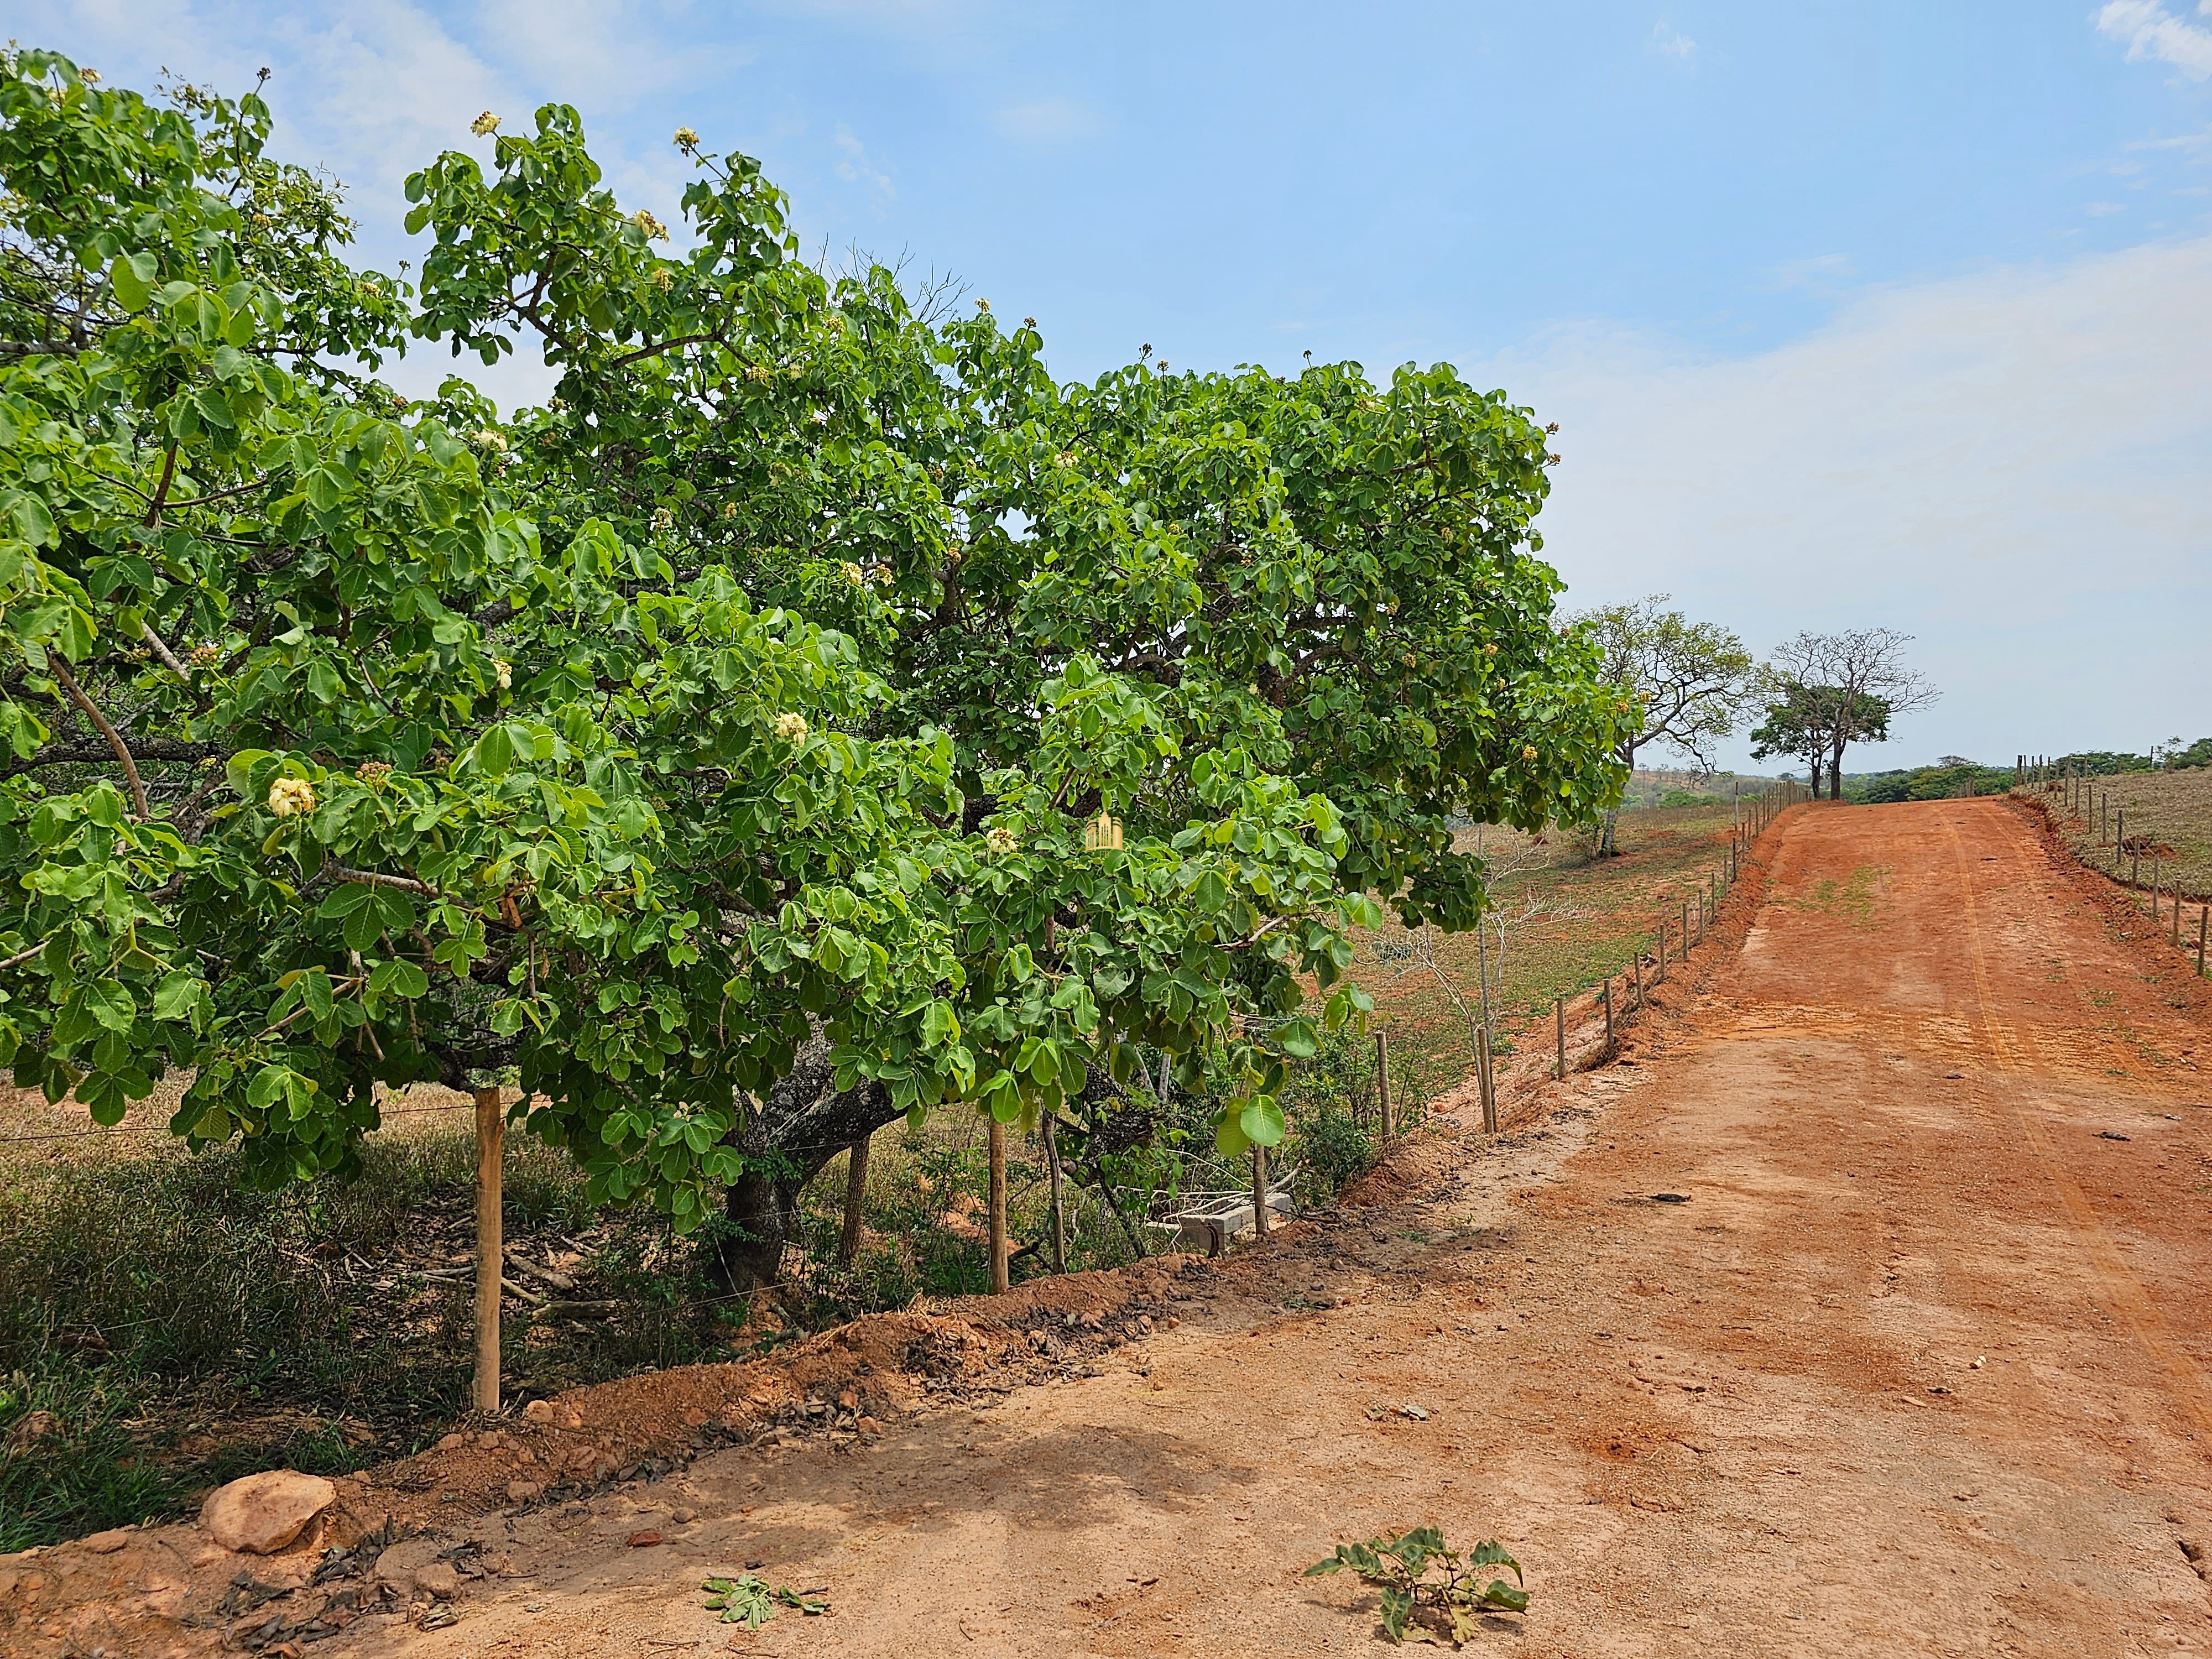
1919	1367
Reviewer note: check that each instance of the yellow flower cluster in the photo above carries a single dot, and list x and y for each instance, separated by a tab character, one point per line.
291	796
686	139
652	229
485	125
999	839
791	727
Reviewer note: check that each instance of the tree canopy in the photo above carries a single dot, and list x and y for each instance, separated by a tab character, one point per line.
1689	682
1801	721
1849	685
725	730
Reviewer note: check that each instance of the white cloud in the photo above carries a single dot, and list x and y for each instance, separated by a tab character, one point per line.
854	165
604	50
1670	42
2008	465
2152	32
2197	146
2100	209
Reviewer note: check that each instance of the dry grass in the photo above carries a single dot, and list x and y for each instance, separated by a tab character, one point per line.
2169	811
1575	920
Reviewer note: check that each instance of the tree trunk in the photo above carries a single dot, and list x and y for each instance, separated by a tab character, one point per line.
1605	848
803	1123
856	1195
1059	1215
491	1253
1000	1281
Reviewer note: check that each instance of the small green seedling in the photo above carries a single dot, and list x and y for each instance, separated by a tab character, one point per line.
1399	1567
750	1600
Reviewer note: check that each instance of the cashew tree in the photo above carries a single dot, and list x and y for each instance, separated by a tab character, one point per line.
815	713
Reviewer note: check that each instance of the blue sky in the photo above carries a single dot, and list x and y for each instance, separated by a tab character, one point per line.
1852	314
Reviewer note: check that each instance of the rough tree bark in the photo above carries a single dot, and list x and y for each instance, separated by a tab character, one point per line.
803	1123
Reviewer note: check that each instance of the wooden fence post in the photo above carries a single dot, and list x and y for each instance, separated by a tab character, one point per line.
1382	1080
1259	1191
856	1194
1058	1216
1001	1281
1608	1012
490	1247
1636	964
1659	974
1485	1080
1559	1016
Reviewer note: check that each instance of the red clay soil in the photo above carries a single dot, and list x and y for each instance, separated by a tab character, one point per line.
1917	1364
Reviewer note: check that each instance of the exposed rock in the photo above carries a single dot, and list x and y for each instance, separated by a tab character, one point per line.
398	1565
262	1513
452	1442
106	1543
541	1411
437	1580
524	1491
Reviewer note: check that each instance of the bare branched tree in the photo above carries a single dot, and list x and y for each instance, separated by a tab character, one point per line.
1692	681
1851	673
1414	951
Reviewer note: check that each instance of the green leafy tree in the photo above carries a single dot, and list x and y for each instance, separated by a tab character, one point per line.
1857	681
356	839
1801	721
1686	683
715	745
1282	628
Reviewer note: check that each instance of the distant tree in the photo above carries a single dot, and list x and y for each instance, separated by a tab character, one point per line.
1794	726
1856	679
1689	680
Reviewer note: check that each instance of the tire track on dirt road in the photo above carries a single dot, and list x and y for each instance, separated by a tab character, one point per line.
2112	1269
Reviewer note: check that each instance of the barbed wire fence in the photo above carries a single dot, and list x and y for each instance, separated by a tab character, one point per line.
2067	791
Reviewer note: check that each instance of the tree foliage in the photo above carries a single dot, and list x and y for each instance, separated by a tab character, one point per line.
1849	685
1801	721
746	701
1687	683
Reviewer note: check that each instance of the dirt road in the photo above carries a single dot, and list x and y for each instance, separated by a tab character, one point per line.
1918	1365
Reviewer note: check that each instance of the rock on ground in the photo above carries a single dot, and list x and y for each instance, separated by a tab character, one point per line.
260	1514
